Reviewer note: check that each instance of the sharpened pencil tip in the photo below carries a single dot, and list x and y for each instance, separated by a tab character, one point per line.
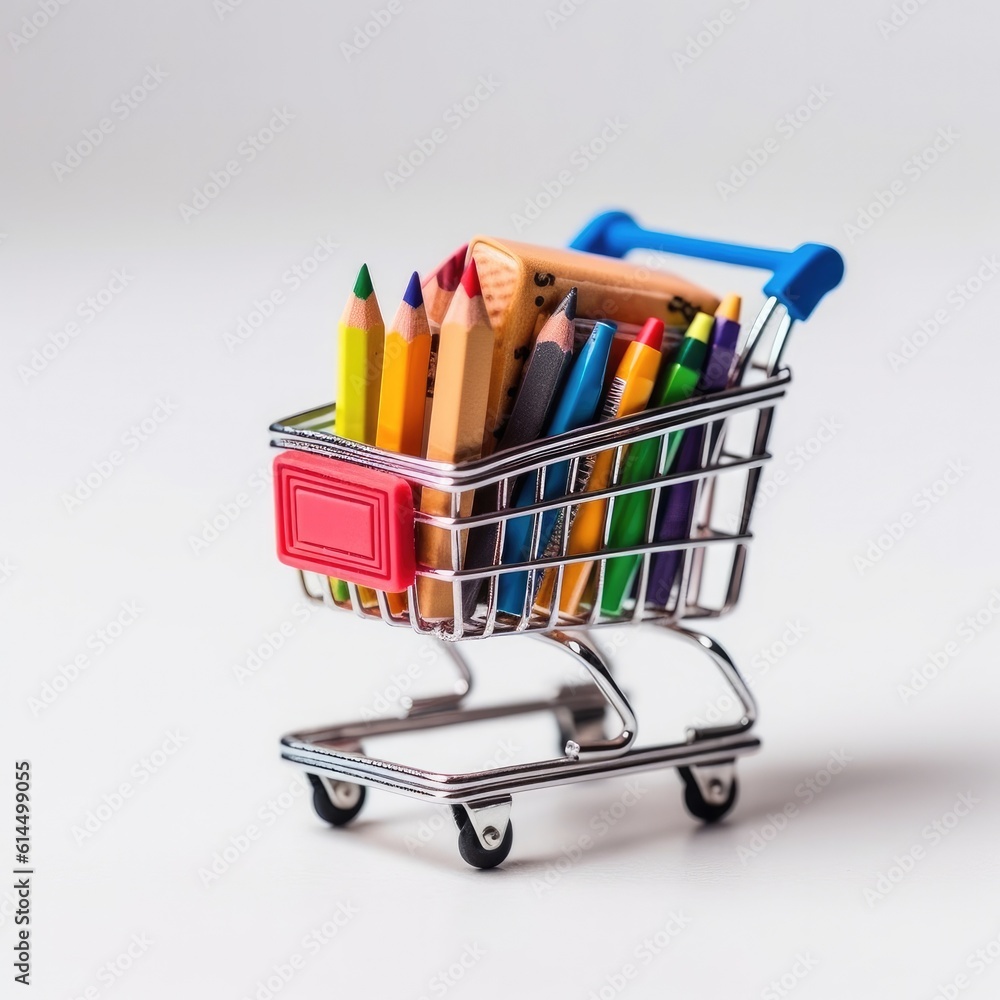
413	296
470	280
363	286
450	272
568	305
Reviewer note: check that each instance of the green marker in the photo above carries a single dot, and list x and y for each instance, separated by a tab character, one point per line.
677	382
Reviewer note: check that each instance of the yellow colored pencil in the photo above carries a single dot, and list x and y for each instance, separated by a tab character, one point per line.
360	341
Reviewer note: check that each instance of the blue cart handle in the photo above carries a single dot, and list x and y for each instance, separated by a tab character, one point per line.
800	277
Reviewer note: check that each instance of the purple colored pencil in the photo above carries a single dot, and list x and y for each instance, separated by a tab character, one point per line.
677	508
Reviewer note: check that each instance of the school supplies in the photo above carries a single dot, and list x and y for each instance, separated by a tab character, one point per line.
722	345
465	351
628	519
576	407
677	506
543	376
360	338
346	510
404	386
404	375
629	393
523	283
437	291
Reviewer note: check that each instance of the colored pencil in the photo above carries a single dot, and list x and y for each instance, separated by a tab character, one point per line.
360	341
359	371
630	392
438	291
677	508
577	407
628	521
404	375
404	385
465	351
540	385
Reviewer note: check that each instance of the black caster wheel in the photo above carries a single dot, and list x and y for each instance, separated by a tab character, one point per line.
698	806
339	807
473	853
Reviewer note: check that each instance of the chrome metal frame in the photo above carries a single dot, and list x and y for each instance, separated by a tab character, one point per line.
485	795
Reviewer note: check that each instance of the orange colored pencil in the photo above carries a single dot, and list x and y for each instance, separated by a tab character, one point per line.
404	380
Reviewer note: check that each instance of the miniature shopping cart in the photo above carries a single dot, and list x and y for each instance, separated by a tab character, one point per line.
346	510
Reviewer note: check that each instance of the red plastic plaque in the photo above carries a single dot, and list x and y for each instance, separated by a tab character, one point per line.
344	521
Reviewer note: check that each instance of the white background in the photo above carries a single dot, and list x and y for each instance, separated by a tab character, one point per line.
543	927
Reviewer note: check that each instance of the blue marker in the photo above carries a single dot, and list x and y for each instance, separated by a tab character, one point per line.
577	407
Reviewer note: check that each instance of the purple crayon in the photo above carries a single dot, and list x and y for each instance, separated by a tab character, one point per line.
677	508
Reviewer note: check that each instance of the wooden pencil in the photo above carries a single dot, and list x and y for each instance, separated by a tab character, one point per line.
404	380
360	341
361	336
465	351
404	375
438	291
543	378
